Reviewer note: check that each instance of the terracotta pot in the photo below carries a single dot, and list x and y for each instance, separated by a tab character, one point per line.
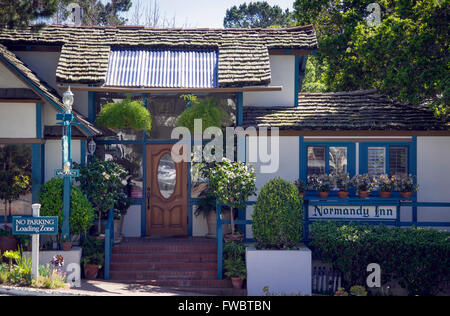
66	246
237	282
363	194
8	243
324	194
385	195
342	194
406	195
91	271
231	237
211	220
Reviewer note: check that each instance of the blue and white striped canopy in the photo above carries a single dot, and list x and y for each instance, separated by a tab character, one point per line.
162	68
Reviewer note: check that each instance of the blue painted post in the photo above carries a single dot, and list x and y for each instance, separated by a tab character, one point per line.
305	221
219	242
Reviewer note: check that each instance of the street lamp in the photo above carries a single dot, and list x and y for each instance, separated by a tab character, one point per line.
68	100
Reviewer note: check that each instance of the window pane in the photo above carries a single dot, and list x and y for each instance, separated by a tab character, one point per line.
129	157
15	163
316	160
376	161
398	160
338	160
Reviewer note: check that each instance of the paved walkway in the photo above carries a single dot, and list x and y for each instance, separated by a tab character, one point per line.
99	288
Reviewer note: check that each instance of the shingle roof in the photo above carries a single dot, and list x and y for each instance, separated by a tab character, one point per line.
52	95
357	110
243	53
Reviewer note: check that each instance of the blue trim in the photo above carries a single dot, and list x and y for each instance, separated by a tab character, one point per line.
239	108
37	174
297	79
303	160
219	240
144	180
413	167
38	120
92	111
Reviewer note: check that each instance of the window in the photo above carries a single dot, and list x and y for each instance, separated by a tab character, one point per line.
330	158
384	159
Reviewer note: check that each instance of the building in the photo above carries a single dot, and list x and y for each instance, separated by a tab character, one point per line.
256	73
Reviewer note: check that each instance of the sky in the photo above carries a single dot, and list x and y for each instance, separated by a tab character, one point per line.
203	13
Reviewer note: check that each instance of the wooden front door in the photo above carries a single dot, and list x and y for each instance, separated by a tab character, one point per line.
167	196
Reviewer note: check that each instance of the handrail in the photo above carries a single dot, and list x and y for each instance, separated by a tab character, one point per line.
109	242
399	202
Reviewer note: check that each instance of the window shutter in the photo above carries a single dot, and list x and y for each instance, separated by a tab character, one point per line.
376	161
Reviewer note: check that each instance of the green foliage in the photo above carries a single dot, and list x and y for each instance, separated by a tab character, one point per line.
257	14
207	109
207	203
235	268
102	183
321	182
19	13
232	182
49	278
418	258
93	251
81	211
405	57
278	216
405	183
314	77
126	114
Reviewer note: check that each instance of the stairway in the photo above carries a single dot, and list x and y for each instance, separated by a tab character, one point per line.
183	264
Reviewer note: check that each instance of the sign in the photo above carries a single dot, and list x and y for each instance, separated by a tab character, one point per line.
352	212
42	225
74	173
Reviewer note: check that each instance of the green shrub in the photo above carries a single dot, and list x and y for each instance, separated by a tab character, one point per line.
278	216
418	258
81	211
126	114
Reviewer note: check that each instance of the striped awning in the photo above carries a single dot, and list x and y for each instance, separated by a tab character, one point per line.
162	68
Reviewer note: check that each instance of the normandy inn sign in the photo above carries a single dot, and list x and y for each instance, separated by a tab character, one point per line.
342	212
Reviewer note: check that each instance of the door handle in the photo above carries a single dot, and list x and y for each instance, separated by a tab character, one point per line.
148	197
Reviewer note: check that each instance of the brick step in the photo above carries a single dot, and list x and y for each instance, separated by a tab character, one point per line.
173	266
149	248
213	291
167	257
183	284
162	275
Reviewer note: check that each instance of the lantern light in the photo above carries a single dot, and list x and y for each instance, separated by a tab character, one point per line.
92	146
68	100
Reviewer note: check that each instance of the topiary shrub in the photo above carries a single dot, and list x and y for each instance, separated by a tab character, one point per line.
278	216
81	210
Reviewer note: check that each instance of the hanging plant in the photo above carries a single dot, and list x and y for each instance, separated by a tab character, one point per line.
207	110
126	114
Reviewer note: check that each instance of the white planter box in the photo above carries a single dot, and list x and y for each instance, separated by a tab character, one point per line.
285	272
72	261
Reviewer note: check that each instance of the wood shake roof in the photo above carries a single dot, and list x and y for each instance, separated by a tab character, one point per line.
243	53
38	85
364	110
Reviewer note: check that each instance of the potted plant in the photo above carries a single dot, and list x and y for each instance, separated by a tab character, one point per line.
236	271
102	182
322	183
232	183
207	207
66	243
93	257
344	184
363	184
301	186
385	186
405	185
278	230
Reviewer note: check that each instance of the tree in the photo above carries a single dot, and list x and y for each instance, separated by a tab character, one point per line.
20	13
404	56
257	14
313	81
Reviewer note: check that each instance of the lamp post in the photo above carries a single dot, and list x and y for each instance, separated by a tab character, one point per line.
66	172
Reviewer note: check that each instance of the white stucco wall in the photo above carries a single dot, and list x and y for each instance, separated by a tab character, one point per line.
433	177
283	74
17	120
53	156
9	80
132	222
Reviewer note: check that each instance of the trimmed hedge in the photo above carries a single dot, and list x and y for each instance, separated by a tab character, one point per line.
418	258
278	216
